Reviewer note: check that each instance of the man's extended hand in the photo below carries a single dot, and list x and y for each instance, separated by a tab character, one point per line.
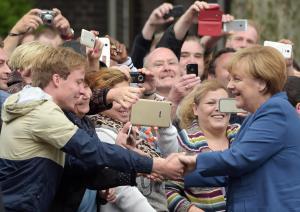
189	162
126	96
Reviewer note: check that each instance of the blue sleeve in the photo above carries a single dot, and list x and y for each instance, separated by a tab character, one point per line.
196	179
259	141
97	154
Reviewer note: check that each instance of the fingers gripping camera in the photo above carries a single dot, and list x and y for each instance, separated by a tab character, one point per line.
137	77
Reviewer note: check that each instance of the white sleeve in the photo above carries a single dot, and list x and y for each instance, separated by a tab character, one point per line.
130	199
167	140
130	64
106	135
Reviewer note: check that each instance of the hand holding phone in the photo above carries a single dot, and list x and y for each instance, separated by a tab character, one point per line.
105	53
87	38
176	12
210	21
137	77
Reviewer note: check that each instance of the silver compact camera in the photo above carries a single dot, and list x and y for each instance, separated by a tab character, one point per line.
47	16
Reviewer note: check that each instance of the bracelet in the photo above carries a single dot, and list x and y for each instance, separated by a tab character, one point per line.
16	34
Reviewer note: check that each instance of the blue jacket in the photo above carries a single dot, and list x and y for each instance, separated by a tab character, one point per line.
263	164
34	139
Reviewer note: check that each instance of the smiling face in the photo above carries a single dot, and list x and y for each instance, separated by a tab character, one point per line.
163	63
118	112
207	111
70	89
247	90
4	70
82	105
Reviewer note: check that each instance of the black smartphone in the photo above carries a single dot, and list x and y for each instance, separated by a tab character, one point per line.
137	77
176	12
192	69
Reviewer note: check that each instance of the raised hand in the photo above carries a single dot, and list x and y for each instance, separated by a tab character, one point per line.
126	96
29	22
118	51
191	14
156	19
62	24
93	54
180	89
150	84
123	135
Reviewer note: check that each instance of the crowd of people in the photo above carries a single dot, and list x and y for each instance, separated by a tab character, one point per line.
67	143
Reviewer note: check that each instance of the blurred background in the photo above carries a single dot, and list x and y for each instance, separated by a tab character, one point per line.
123	19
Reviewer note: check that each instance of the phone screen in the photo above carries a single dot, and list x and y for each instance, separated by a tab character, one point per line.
192	69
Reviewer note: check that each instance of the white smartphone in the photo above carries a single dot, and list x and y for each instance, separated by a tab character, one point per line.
105	55
87	38
228	105
236	25
151	113
284	49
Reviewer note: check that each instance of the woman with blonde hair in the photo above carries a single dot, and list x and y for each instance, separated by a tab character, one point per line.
208	130
263	163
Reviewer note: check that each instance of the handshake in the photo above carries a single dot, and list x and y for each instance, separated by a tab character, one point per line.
174	166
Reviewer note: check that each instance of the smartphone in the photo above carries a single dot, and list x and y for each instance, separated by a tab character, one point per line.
87	38
284	49
210	21
236	25
192	69
176	12
228	105
105	54
137	77
151	113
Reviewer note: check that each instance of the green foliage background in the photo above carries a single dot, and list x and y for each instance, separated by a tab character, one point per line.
11	12
278	19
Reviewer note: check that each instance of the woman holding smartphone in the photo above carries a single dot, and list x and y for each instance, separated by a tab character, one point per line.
208	129
263	163
150	195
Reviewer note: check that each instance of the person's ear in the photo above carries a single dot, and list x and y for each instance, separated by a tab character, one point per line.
298	108
56	80
195	109
262	85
